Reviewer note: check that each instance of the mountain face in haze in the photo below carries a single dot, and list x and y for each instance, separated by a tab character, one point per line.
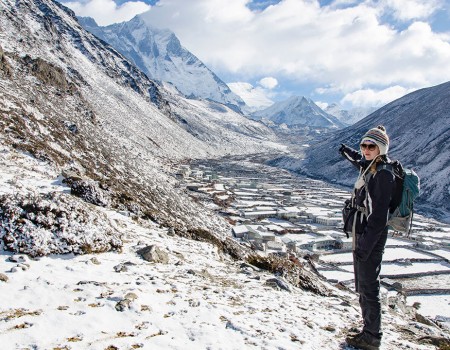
351	116
159	54
418	125
72	101
298	112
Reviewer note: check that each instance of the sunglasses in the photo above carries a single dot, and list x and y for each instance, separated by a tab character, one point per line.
369	146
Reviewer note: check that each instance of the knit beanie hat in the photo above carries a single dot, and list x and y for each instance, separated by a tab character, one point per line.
379	137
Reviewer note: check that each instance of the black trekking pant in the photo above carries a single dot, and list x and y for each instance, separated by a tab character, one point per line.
367	284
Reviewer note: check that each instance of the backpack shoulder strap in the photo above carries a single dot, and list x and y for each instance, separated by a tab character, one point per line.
398	169
382	166
386	166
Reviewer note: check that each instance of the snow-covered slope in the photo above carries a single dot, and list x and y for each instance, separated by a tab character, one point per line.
189	296
68	98
159	54
299	112
350	116
219	126
418	125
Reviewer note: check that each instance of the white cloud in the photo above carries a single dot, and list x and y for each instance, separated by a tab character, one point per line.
321	104
225	11
302	41
330	89
412	9
255	97
341	48
268	82
106	12
372	98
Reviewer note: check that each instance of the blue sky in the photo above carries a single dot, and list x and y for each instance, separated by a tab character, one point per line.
356	53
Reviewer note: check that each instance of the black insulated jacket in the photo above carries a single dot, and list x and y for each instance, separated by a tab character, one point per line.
374	203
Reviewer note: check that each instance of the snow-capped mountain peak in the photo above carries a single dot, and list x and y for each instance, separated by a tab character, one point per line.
159	54
298	111
348	116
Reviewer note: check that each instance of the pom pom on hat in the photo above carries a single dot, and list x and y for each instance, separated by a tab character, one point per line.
379	137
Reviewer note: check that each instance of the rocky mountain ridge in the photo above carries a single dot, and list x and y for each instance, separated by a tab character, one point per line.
72	100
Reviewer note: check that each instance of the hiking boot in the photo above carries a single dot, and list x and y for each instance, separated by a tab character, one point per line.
353	336
352	332
363	341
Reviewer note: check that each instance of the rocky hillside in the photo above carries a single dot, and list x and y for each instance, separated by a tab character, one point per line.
71	100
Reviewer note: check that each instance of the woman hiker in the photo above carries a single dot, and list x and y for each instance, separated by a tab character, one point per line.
371	197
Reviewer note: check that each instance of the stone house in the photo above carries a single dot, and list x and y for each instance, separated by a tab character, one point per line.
324	243
344	243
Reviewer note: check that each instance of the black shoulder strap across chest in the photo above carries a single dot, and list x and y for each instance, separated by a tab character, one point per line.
382	166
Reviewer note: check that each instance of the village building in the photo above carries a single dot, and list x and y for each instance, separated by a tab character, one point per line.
275	228
183	172
219	187
298	242
280	222
295	199
288	213
275	245
197	174
306	246
259	233
328	221
259	214
240	231
344	243
304	219
324	243
246	184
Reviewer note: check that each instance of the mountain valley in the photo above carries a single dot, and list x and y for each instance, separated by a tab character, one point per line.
93	154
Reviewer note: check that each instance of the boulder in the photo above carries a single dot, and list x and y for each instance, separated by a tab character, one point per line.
123	305
278	283
154	254
3	277
90	191
4	65
131	296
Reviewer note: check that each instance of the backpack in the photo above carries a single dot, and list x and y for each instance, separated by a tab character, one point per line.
401	207
407	189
